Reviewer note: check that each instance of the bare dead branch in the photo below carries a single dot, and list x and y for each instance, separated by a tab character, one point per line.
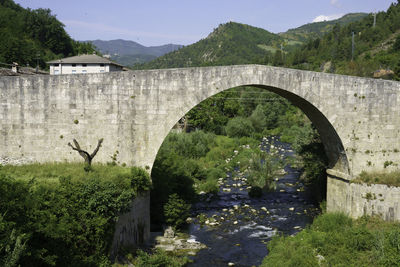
87	157
97	148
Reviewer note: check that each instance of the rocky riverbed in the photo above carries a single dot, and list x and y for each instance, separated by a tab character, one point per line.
236	228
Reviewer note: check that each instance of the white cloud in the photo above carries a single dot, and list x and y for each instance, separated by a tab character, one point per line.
335	3
327	17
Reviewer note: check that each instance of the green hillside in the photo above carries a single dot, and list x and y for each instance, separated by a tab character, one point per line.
230	43
235	43
328	47
26	35
318	29
375	48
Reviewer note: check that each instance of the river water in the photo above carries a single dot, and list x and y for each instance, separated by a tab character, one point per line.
238	227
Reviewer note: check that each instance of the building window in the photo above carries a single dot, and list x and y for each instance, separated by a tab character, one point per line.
102	65
101	70
73	65
84	65
84	71
73	71
56	65
56	72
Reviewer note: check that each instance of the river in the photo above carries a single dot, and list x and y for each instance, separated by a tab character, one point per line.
238	227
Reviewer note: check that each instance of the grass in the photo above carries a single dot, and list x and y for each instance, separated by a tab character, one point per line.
390	178
337	240
50	173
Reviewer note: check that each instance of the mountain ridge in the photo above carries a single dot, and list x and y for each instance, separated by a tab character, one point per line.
129	52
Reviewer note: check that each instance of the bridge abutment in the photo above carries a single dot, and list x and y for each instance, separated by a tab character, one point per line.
357	200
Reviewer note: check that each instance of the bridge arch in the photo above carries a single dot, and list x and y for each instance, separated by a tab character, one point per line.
332	143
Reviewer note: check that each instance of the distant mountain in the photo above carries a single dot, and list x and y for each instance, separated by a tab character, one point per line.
318	29
130	53
230	43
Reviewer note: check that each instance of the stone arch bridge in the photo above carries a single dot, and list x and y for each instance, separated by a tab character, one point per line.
358	118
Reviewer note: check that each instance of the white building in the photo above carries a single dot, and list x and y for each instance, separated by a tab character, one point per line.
83	64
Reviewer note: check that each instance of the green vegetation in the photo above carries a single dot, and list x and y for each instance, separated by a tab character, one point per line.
323	46
375	48
176	211
317	29
158	257
225	133
337	240
27	35
390	178
230	43
61	215
264	168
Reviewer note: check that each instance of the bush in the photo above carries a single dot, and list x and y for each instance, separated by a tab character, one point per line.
263	169
140	180
176	211
192	145
159	258
57	219
239	126
341	241
257	119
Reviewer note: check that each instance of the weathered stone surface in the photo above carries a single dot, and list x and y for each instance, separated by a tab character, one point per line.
358	118
133	227
358	200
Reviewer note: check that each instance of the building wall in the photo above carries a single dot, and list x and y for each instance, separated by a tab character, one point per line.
63	68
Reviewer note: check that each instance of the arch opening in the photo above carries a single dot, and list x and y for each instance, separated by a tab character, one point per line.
331	141
333	146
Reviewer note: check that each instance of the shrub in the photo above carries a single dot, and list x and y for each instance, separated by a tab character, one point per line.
239	126
159	258
140	180
176	210
59	219
257	118
341	241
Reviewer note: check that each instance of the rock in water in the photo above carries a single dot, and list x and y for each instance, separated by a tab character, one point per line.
169	232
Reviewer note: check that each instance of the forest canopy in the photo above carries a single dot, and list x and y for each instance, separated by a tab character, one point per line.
29	36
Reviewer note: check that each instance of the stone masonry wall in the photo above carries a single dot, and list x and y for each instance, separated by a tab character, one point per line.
358	200
133	227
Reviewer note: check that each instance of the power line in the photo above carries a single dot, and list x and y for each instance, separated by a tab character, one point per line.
248	98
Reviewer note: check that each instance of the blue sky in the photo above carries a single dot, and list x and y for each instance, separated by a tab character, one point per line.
157	22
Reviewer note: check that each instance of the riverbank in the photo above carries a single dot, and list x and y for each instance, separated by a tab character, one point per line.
337	240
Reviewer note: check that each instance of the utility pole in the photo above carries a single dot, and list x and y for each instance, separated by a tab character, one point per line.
374	20
352	46
37	61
